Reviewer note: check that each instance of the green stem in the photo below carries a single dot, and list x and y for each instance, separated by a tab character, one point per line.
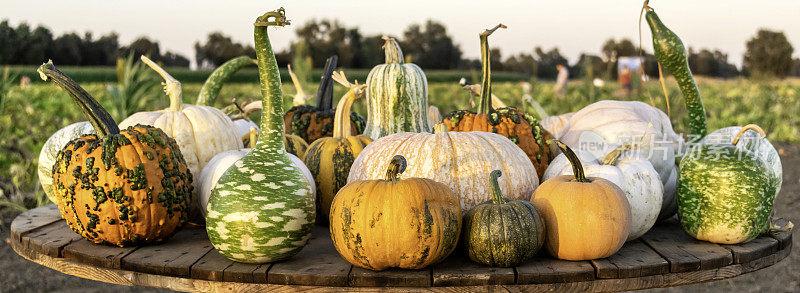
171	85
271	135
577	167
221	75
325	89
612	157
486	83
394	55
497	195
103	124
396	167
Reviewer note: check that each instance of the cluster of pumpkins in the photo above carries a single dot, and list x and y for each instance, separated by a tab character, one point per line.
403	187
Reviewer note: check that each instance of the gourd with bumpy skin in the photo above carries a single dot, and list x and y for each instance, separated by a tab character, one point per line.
221	162
586	217
213	85
122	188
262	208
461	160
631	172
521	128
314	122
502	232
397	96
330	158
726	193
50	149
391	222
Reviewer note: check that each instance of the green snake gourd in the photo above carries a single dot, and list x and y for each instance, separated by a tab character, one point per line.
223	73
262	209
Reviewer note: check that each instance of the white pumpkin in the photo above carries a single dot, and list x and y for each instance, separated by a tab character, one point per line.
50	149
605	125
461	160
632	173
242	127
200	131
221	162
556	124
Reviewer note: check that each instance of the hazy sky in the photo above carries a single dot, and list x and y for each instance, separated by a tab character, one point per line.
573	26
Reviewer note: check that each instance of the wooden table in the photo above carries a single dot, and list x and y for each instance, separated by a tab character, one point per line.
665	257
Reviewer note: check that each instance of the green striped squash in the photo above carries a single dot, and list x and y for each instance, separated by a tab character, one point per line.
262	208
502	232
329	158
726	193
397	96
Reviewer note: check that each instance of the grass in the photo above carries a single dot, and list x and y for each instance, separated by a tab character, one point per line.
29	116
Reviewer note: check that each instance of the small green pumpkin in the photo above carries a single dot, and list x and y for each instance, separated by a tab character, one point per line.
502	232
397	96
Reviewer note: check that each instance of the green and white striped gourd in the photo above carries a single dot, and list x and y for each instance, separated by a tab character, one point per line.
50	149
262	209
223	73
397	96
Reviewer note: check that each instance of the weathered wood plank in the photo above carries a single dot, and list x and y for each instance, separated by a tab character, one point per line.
755	249
634	259
240	272
459	270
389	278
50	239
34	219
784	238
318	264
210	267
173	257
545	269
86	252
664	239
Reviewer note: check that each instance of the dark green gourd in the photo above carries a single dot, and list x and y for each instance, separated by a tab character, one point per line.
223	73
671	54
502	232
262	209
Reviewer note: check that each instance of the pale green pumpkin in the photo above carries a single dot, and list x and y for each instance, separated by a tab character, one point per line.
262	208
397	96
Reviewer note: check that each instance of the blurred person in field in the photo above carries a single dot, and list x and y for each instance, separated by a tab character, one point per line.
625	80
561	80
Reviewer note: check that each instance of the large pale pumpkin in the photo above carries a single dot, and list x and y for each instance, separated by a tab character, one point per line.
117	187
521	128
461	160
50	149
330	158
262	208
605	125
391	222
586	218
631	172
397	96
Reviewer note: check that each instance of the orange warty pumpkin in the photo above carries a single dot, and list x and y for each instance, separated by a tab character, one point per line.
586	218
119	187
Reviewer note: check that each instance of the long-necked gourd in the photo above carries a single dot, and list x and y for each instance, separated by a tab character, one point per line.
223	73
262	209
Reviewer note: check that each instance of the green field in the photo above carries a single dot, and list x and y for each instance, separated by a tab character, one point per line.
29	116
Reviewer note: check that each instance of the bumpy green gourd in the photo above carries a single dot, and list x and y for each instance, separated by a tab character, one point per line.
262	209
223	73
671	54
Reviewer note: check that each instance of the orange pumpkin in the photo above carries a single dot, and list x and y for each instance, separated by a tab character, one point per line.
119	187
586	218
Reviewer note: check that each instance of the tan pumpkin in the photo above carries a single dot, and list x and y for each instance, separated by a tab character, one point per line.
461	160
410	223
586	218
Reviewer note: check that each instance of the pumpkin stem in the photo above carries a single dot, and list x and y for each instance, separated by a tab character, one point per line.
396	167
242	114
486	83
392	51
102	122
747	127
271	134
577	167
253	137
497	195
223	73
611	158
171	85
440	128
341	119
325	89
